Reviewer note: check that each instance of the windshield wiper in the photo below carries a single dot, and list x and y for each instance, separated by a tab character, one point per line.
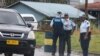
19	24
13	24
3	23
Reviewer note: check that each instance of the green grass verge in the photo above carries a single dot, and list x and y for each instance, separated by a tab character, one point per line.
94	43
40	38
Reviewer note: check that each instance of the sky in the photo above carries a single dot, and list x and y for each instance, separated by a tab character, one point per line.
83	1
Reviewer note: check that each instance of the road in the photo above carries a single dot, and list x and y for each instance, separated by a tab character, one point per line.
40	52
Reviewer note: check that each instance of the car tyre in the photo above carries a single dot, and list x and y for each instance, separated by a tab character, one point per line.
8	54
30	54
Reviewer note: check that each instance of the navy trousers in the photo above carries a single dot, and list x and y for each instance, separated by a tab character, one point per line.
57	35
67	40
85	43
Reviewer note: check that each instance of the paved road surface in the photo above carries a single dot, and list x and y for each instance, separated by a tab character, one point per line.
40	52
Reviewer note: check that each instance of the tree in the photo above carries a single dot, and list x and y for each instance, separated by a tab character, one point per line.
9	2
67	1
58	1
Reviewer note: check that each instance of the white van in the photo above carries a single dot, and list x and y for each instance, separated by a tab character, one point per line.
30	18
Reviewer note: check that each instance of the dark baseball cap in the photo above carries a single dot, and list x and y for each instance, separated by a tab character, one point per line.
65	14
59	12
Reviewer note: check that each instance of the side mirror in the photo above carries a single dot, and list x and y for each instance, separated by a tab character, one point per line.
29	25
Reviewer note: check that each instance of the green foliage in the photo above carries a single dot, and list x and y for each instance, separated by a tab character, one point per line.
94	43
9	2
40	38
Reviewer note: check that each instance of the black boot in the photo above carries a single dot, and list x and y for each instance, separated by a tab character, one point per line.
53	54
61	54
68	54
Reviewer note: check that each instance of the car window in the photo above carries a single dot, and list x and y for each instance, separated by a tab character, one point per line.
10	18
28	18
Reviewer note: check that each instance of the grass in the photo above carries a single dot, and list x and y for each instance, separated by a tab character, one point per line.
94	43
40	38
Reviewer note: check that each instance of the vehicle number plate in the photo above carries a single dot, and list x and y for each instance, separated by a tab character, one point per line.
12	42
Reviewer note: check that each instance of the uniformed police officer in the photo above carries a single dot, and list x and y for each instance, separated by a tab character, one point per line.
85	35
57	26
69	27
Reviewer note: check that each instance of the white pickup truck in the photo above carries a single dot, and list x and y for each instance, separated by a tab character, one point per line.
30	18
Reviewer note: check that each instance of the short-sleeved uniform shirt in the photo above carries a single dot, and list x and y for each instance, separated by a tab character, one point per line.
68	24
84	25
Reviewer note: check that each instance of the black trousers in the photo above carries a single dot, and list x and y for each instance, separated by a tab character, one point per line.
67	40
57	35
85	43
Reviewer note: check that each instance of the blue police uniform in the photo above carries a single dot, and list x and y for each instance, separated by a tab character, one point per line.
57	26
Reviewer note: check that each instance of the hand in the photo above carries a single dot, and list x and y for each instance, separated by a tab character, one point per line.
85	37
71	33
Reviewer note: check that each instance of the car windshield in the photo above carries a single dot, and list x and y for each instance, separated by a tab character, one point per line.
28	18
10	18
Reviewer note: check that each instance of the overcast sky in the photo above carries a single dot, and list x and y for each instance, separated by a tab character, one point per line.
83	1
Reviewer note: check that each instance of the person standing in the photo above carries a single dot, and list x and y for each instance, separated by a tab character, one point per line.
69	27
85	35
57	26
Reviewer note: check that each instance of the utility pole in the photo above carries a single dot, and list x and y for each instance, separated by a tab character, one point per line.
67	1
86	8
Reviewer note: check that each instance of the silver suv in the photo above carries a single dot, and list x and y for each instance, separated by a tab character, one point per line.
15	35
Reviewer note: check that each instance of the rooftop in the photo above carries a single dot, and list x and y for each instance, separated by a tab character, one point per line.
9	10
51	9
93	6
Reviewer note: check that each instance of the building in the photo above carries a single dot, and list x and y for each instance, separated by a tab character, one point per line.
4	3
94	10
43	10
96	0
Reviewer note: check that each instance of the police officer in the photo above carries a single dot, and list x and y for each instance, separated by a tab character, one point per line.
69	27
57	26
85	35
